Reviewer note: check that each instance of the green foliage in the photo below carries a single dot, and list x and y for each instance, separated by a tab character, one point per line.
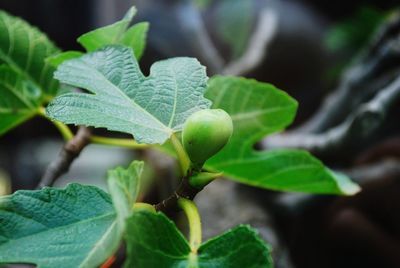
150	108
234	21
57	59
135	37
165	246
124	185
118	33
81	226
202	4
353	33
20	98
259	109
25	79
71	227
33	58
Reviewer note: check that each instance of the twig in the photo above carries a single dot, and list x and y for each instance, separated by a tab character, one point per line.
184	190
257	46
63	161
375	76
357	128
381	57
374	171
195	31
387	148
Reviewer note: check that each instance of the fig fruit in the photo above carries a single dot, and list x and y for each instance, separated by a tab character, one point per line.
205	133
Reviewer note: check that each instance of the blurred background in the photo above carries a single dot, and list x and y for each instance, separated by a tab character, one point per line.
334	57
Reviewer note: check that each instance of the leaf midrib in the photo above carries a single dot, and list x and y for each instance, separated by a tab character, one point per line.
241	116
62	226
7	58
16	111
16	94
122	93
10	61
99	243
171	120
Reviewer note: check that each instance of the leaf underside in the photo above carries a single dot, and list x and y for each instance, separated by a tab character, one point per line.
71	227
150	108
257	110
154	241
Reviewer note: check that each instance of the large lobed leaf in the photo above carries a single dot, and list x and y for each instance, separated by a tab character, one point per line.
77	226
154	241
150	108
71	227
259	109
26	80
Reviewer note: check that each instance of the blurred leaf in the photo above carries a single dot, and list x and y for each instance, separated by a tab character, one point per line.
57	59
124	185
118	33
202	4
26	80
353	33
154	241
135	37
71	227
150	108
234	21
257	110
107	35
19	98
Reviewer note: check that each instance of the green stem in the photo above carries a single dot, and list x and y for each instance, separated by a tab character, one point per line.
65	131
144	206
200	179
127	143
183	158
192	214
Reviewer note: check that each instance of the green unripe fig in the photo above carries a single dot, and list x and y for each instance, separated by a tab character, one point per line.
205	133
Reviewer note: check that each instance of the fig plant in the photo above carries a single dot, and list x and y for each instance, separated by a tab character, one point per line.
219	119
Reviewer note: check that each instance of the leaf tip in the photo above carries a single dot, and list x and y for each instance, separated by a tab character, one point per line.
344	184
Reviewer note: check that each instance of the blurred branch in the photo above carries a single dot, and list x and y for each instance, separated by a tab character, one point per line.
68	154
359	126
375	171
359	105
374	68
184	190
387	148
257	46
196	32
